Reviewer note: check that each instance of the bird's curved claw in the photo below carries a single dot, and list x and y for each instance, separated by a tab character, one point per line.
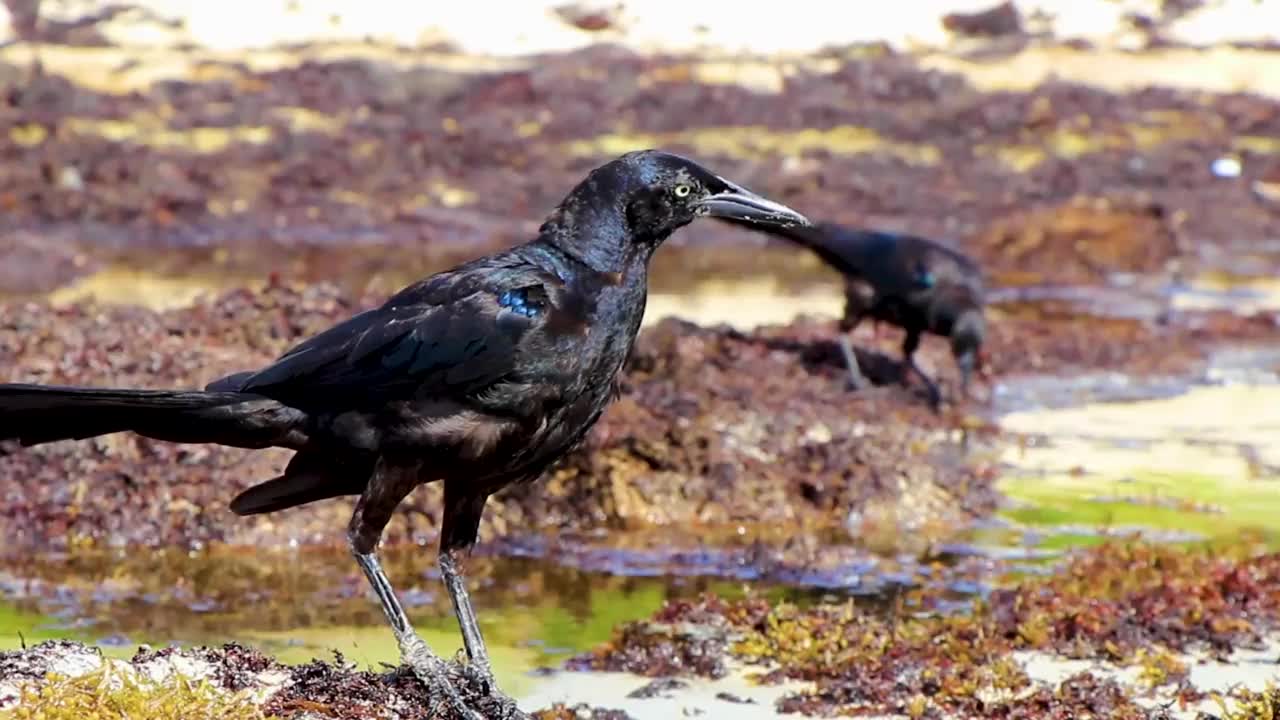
481	675
506	707
497	704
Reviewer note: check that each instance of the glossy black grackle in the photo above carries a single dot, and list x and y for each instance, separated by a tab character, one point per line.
480	376
914	283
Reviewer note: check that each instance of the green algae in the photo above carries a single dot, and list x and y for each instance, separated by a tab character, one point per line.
19	627
1152	502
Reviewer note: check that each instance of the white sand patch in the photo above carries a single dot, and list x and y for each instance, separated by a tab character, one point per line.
611	689
504	28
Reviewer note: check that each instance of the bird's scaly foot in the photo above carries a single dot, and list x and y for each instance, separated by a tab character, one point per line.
435	674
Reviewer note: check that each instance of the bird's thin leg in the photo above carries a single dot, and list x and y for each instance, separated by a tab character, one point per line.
389	486
856	378
463	506
965	361
855	304
909	347
466	614
413	650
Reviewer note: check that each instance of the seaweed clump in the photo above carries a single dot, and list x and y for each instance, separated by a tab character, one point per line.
1120	603
1083	695
1124	598
580	711
337	690
685	637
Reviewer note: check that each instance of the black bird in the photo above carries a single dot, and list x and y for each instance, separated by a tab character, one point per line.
480	376
914	283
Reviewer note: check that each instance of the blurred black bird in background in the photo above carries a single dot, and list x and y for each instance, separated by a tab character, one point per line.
911	282
480	376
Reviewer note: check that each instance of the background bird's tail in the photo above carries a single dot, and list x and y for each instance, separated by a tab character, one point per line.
827	241
812	236
34	414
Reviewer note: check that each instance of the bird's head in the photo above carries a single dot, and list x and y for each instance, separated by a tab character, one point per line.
967	335
647	195
668	192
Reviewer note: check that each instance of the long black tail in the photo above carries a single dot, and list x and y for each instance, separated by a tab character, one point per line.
34	414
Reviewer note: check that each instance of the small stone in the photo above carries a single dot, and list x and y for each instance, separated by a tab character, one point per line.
69	179
592	17
661	687
1003	19
1227	167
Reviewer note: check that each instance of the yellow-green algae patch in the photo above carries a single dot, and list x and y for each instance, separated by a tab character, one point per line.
110	693
1263	705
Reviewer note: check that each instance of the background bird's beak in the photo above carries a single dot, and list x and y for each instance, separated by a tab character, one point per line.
740	204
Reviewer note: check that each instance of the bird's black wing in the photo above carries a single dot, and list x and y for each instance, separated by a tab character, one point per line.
453	334
903	265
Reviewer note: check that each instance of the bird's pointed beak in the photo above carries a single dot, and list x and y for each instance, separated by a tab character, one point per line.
739	204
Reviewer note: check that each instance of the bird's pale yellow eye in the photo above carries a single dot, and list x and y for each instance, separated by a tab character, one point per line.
682	191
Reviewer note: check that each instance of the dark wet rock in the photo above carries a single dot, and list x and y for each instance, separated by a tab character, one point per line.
590	16
1001	19
658	688
731	698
